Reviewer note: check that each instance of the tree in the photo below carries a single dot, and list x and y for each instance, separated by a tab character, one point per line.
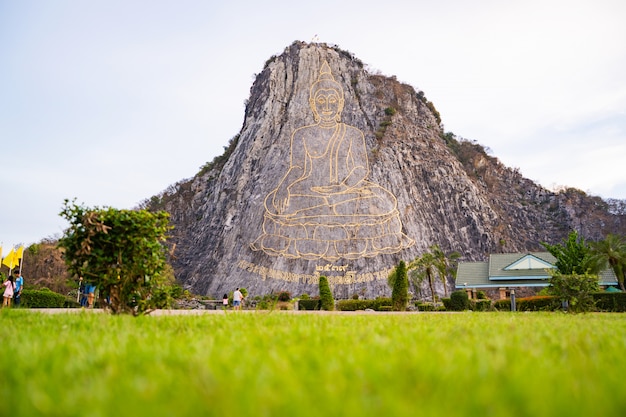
611	252
572	256
400	289
445	264
424	267
122	252
326	296
576	290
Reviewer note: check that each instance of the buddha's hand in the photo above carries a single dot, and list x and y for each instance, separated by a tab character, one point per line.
281	202
330	189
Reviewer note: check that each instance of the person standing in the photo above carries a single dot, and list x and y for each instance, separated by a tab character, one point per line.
9	290
82	295
19	286
237	297
225	301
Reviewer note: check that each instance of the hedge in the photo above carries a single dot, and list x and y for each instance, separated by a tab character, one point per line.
605	301
43	298
425	306
312	304
458	301
610	301
354	305
538	303
480	305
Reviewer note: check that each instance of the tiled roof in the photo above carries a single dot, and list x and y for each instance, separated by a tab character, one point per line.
494	274
499	261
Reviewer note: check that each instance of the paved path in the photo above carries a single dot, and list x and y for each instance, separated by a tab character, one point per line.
203	312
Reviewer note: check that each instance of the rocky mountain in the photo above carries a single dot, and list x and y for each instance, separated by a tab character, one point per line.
343	173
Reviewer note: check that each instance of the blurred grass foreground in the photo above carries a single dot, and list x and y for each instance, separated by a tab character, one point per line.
280	364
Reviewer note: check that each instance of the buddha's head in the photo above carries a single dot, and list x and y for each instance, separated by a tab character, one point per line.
326	97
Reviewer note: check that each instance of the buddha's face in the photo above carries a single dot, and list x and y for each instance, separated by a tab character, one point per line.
327	104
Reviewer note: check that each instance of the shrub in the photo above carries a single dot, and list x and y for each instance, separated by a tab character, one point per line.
575	290
610	301
427	306
458	301
284	296
43	298
538	303
309	304
481	305
399	293
354	305
326	296
502	305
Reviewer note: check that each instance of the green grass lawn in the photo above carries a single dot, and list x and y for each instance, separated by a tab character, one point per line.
283	364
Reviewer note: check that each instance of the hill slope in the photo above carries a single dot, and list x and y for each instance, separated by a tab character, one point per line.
417	187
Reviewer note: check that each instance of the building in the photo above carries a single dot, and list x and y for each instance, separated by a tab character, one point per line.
506	271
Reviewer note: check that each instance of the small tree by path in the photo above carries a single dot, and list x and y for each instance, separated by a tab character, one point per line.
400	289
575	290
122	252
326	296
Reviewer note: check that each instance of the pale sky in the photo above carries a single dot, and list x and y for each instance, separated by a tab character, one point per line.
112	101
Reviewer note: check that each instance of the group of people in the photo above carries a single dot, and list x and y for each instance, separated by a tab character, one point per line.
13	287
237	299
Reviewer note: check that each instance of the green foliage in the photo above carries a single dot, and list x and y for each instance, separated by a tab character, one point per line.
326	296
423	267
34	249
424	306
305	296
284	296
459	301
503	305
421	97
399	292
480	305
390	111
576	290
611	253
42	298
572	255
610	301
122	252
538	303
356	305
309	304
219	161
445	265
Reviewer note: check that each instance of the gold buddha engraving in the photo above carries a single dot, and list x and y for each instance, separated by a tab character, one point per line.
324	207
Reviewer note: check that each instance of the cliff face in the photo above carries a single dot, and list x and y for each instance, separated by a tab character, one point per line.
381	185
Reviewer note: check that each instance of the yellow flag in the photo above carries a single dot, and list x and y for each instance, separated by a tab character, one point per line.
9	260
19	253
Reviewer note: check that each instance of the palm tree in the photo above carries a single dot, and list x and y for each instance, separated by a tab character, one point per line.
424	267
445	265
611	252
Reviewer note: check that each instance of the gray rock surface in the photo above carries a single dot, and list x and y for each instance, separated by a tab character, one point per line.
461	200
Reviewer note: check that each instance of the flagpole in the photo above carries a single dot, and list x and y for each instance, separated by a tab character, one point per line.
21	260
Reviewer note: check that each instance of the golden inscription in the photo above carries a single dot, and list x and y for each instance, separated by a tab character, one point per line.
350	277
